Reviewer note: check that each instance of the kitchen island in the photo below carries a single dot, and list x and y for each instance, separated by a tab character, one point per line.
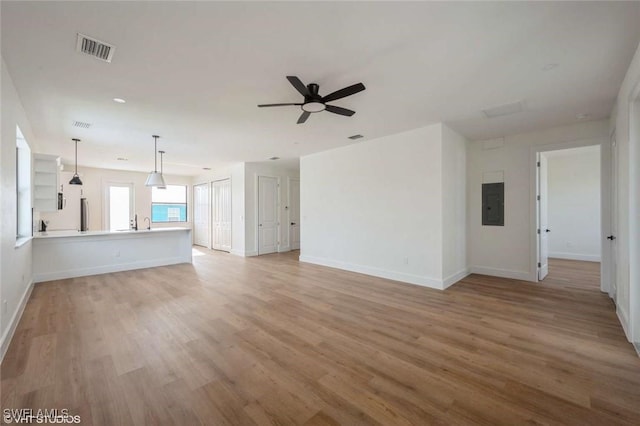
68	254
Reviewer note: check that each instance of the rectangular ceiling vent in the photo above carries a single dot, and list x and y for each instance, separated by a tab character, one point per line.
506	109
96	48
354	137
81	124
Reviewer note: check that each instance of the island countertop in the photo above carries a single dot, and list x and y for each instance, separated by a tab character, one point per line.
69	254
70	233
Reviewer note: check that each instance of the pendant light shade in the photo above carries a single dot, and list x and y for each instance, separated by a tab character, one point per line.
155	178
164	186
75	180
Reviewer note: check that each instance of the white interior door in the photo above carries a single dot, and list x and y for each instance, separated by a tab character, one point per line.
267	215
222	215
543	225
201	215
294	214
611	238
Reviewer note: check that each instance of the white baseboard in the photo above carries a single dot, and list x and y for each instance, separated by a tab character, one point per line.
624	321
502	273
454	278
575	256
376	272
237	252
284	249
83	272
250	253
13	324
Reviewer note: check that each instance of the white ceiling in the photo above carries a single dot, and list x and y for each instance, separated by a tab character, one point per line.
193	72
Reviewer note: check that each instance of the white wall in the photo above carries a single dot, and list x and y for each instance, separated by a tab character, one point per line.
15	262
93	184
628	211
454	201
573	179
272	169
377	206
509	250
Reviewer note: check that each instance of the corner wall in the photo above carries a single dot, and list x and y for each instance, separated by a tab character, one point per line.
377	207
15	262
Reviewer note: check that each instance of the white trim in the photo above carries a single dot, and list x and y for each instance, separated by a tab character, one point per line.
253	253
83	272
284	249
575	256
13	324
22	241
624	321
376	272
504	273
237	252
454	278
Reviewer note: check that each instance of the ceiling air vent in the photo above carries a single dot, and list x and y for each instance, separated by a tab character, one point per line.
96	48
81	124
354	137
506	109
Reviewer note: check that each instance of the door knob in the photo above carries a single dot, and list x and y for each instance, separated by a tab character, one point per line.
293	223
611	237
260	225
547	230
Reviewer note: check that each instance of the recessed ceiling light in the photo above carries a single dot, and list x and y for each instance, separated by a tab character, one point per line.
122	159
206	168
549	67
119	100
274	158
583	116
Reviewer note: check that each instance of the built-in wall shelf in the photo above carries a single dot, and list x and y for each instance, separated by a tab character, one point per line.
45	182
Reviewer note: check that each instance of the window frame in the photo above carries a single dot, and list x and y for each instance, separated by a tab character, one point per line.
185	204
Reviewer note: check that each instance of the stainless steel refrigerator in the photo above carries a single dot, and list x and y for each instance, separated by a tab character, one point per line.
84	214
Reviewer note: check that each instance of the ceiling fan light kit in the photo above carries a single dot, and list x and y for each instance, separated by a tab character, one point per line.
314	103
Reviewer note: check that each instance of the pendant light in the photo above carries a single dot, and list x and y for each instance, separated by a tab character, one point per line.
155	178
75	180
162	169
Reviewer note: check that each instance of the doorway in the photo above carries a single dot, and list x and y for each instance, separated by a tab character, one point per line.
294	213
569	207
221	215
201	215
119	206
268	226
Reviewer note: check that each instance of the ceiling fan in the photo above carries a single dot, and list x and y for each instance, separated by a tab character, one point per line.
313	102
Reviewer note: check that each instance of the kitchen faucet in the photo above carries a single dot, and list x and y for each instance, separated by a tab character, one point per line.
134	222
148	227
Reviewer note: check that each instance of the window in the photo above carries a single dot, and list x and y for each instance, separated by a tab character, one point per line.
23	187
169	205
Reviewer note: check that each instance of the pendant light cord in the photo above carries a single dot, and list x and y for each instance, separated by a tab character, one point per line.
155	153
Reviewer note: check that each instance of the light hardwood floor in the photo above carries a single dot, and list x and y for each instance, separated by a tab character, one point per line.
269	340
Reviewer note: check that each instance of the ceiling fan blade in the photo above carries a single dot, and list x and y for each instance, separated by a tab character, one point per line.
303	117
343	93
300	87
338	110
272	105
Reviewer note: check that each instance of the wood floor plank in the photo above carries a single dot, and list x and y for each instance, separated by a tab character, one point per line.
270	340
